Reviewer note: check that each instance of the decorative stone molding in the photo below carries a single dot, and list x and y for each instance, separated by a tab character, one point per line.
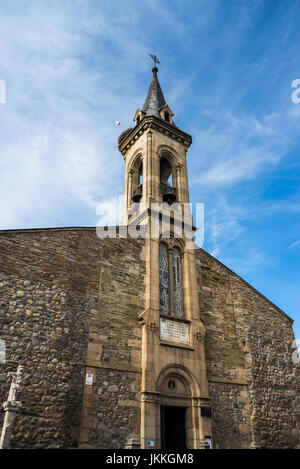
12	405
152	326
150	397
133	443
152	122
199	335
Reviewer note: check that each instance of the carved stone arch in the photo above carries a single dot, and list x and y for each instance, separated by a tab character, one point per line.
172	162
179	243
183	375
135	173
137	156
169	153
167	163
176	387
165	241
170	240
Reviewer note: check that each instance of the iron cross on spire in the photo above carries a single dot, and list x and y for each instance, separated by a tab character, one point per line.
155	59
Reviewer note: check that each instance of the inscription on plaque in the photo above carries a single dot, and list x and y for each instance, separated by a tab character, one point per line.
174	331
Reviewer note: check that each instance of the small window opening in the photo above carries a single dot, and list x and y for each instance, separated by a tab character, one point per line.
171	385
165	171
141	174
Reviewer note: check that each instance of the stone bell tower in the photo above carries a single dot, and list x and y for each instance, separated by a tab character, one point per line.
175	402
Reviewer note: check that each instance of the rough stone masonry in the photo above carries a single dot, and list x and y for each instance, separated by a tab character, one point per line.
69	305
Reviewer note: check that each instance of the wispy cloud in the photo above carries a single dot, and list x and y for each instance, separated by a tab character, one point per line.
244	265
236	148
295	244
222	225
59	153
72	68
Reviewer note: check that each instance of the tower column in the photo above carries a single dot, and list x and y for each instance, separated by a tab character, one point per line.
173	368
185	187
187	297
179	183
149	164
129	193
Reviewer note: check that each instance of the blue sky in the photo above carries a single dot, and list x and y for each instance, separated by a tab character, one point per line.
71	68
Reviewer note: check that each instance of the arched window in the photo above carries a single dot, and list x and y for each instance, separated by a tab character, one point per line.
165	171
164	279
135	188
141	173
165	283
166	181
177	283
167	116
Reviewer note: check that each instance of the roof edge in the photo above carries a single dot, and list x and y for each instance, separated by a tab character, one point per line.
93	228
59	228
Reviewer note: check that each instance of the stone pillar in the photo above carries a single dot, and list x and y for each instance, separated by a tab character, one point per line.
149	165
185	185
186	286
129	193
152	268
179	183
155	176
10	409
12	405
150	423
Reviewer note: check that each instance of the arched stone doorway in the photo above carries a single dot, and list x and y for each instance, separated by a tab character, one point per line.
175	410
179	403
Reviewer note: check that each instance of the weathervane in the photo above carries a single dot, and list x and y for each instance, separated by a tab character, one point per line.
155	59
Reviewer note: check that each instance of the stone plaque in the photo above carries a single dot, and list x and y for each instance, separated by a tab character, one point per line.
174	331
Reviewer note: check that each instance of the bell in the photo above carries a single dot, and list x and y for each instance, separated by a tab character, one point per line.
137	194
169	194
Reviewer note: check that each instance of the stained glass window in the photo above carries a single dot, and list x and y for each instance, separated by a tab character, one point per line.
177	283
164	279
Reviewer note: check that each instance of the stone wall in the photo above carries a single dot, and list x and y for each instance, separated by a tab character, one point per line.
249	344
267	339
49	286
230	417
69	305
111	409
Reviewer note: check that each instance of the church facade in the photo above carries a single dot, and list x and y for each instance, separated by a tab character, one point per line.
141	339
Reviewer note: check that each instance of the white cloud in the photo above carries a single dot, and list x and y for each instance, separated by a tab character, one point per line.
58	139
236	148
243	264
223	225
295	244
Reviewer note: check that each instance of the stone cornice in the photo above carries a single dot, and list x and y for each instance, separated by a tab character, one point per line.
154	123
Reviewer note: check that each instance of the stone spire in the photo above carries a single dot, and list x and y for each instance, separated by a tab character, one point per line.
155	99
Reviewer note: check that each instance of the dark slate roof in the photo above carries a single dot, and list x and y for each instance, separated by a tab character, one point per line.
155	99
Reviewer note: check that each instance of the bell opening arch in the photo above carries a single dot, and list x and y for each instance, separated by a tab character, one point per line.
168	178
